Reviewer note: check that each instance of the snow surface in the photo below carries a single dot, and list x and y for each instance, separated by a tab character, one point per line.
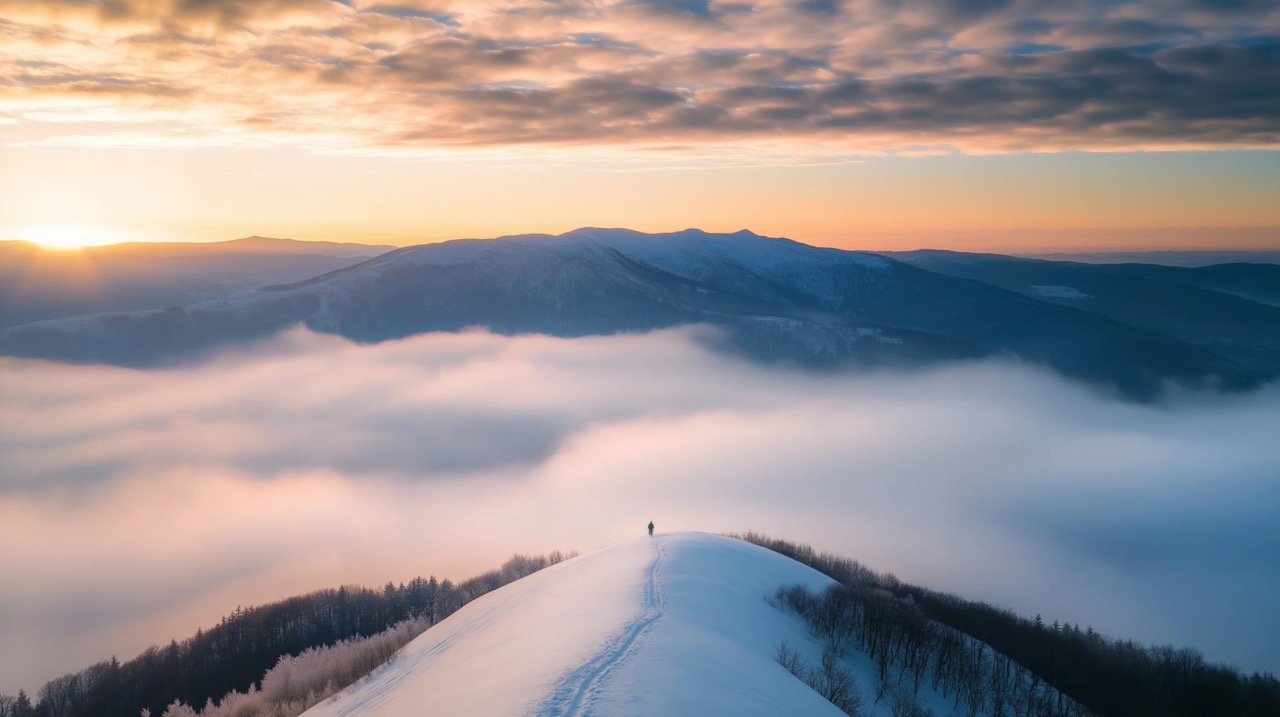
670	625
1058	292
688	250
688	253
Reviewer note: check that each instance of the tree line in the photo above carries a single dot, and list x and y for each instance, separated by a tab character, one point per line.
299	682
238	652
829	679
1107	676
910	652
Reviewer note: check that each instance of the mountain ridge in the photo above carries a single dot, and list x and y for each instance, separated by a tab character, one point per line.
776	299
687	611
1232	308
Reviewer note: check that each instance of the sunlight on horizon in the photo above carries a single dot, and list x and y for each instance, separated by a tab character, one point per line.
71	237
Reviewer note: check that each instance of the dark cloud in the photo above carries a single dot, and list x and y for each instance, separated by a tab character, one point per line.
699	8
1123	32
819	7
964	11
413	13
1113	96
1231	6
449	61
997	75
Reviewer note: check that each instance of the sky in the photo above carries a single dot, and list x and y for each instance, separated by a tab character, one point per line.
1004	125
136	506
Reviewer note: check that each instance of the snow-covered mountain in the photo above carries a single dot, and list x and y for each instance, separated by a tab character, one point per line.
775	299
671	625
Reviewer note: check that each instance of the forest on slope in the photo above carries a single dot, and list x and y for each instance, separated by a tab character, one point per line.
1110	677
239	651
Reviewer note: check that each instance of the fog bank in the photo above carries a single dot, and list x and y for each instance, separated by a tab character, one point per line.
136	506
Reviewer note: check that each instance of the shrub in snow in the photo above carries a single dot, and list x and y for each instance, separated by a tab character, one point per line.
829	679
298	682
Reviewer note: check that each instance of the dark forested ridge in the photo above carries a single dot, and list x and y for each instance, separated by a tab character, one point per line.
1109	677
244	645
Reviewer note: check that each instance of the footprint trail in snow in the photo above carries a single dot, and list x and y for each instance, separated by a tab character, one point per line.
573	694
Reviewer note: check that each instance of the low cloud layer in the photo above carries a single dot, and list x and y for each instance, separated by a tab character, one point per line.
819	75
138	505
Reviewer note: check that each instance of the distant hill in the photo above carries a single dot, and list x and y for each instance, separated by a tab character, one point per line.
38	283
1233	309
777	301
1164	258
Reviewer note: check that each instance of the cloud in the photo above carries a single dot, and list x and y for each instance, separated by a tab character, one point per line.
136	506
996	76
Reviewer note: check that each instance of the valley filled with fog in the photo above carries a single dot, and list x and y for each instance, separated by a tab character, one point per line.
138	505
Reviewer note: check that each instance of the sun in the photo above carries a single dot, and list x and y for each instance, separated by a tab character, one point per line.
68	237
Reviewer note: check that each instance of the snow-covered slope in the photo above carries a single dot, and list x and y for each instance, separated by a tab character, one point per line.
671	625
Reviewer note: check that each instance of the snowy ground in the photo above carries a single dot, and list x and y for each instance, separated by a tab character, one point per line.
1059	292
670	625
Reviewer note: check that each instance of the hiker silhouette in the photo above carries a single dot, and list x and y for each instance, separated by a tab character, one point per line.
651	527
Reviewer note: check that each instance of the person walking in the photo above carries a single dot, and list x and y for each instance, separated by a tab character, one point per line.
651	528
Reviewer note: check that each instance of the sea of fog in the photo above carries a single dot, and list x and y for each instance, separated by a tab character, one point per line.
136	506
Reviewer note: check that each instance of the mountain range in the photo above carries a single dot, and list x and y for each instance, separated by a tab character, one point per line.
1134	328
1166	257
1233	309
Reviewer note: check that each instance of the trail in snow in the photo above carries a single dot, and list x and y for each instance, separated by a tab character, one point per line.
572	696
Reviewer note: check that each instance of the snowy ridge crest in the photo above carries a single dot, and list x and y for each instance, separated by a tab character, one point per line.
677	625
